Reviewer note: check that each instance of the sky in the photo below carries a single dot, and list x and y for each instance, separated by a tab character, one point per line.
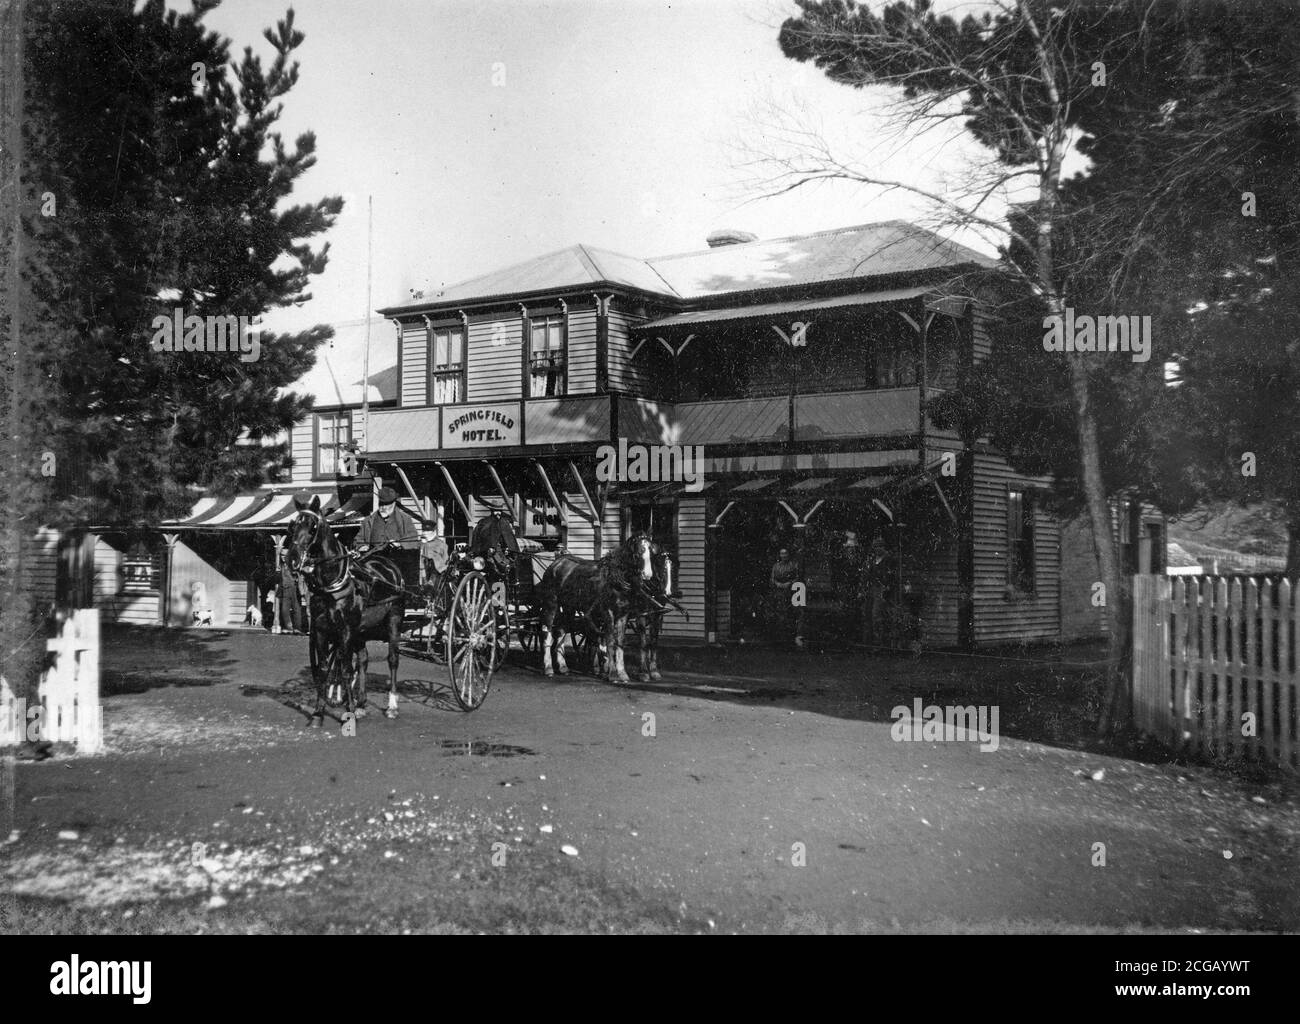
488	132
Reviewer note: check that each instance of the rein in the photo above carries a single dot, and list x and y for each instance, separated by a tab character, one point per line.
345	577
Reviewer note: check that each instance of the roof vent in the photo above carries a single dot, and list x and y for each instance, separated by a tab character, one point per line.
729	236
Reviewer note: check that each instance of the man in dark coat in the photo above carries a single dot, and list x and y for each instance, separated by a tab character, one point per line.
293	614
494	532
388	524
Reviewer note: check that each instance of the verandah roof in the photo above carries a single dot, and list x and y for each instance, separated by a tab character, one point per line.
771	309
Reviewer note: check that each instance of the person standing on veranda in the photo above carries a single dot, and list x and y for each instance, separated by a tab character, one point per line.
876	582
785	575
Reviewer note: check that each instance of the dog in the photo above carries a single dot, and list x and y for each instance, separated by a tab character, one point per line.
253	616
200	609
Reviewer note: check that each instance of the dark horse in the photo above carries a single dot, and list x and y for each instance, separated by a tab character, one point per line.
601	594
350	604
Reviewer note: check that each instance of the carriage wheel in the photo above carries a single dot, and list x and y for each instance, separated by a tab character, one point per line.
471	641
530	636
501	612
584	649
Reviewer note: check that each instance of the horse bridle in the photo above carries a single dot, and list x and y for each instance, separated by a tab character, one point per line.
310	567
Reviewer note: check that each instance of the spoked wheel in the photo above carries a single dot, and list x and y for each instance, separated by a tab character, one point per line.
501	612
471	640
585	649
530	636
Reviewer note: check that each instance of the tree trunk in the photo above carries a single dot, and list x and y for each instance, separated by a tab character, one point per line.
1117	703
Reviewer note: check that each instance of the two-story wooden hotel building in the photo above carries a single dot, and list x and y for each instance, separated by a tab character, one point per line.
801	365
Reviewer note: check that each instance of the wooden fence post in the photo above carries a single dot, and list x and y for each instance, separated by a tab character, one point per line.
1151	654
69	690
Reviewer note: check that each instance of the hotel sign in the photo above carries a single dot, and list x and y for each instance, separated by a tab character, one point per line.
480	426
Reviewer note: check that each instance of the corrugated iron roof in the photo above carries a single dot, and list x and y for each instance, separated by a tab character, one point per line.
860	252
554	271
864	251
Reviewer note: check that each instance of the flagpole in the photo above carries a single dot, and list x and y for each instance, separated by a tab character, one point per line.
365	381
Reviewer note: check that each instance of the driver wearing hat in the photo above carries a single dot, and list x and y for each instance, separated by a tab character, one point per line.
388	524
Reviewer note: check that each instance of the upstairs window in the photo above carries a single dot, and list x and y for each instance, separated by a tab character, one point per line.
446	365
941	348
547	358
1020	540
895	363
333	430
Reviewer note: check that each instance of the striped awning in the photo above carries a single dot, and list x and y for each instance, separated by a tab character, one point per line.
261	510
355	509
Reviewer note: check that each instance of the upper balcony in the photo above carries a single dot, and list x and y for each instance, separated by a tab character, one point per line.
472	428
829	416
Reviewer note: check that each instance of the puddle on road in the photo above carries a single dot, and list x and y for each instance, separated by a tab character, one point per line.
482	748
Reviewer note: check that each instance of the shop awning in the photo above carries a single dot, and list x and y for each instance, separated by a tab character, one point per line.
276	513
261	510
355	509
772	309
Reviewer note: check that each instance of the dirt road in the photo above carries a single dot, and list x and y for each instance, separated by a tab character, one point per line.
763	794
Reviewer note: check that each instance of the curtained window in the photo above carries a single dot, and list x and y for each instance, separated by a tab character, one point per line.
547	358
446	365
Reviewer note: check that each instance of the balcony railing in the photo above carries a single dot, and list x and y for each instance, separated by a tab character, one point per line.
578	419
538	421
831	416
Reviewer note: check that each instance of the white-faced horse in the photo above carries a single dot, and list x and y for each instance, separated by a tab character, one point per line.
602	594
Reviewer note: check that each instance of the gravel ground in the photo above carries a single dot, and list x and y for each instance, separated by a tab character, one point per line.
750	790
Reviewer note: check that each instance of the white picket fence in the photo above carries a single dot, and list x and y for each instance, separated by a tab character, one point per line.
1216	665
69	690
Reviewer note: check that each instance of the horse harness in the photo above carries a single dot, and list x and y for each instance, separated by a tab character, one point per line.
312	568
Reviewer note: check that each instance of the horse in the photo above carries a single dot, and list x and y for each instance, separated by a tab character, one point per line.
653	604
350	604
605	592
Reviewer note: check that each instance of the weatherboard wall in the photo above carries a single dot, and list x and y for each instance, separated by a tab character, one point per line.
690	572
625	373
582	350
1003	615
493	360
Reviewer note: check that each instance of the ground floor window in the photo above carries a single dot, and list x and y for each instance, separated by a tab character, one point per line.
541	519
1020	540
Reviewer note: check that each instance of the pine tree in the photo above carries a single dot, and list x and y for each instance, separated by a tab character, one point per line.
159	183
